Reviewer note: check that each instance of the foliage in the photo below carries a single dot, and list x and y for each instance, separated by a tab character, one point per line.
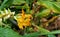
29	18
7	32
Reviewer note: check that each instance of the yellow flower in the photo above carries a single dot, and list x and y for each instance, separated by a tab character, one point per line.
24	20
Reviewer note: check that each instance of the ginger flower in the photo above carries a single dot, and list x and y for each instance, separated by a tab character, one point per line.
24	20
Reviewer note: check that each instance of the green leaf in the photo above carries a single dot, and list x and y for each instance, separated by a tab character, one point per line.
6	3
58	0
18	2
44	13
53	32
46	0
56	6
42	31
50	5
36	34
51	36
29	2
6	32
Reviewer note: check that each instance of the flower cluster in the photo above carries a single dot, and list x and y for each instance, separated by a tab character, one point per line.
24	20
